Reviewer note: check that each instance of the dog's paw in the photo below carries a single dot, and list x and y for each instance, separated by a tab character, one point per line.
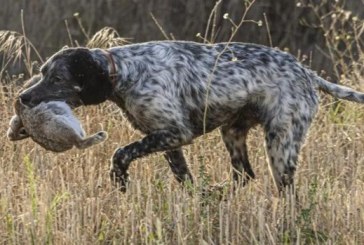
119	169
119	178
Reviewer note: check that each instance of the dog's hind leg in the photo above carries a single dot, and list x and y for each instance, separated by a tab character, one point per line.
234	138
283	143
178	165
91	140
282	156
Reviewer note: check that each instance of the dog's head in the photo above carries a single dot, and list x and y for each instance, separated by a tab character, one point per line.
71	75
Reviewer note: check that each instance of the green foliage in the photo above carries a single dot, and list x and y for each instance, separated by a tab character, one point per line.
310	234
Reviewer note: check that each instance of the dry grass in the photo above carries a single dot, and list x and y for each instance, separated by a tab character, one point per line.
107	37
67	198
48	198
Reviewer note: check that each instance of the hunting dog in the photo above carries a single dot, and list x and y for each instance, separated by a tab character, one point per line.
175	91
51	124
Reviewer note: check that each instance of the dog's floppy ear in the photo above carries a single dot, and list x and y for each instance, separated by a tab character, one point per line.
93	82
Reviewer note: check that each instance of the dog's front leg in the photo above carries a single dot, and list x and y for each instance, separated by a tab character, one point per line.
178	165
161	140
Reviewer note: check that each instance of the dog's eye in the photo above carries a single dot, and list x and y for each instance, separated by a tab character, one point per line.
57	79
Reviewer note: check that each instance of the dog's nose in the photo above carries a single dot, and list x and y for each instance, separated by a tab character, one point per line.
25	99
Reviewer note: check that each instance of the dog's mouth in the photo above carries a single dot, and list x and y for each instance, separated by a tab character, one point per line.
26	105
73	103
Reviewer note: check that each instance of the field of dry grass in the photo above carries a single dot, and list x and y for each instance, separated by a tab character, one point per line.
67	198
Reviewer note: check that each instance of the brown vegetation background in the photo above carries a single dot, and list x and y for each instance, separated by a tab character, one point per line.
292	27
67	198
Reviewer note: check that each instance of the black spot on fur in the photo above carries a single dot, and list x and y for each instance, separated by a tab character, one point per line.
94	81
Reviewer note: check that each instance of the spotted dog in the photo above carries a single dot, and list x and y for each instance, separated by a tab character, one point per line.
175	91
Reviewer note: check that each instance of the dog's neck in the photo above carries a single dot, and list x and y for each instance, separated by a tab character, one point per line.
122	72
112	68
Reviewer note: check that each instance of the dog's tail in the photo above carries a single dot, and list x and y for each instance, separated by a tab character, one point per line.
338	91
